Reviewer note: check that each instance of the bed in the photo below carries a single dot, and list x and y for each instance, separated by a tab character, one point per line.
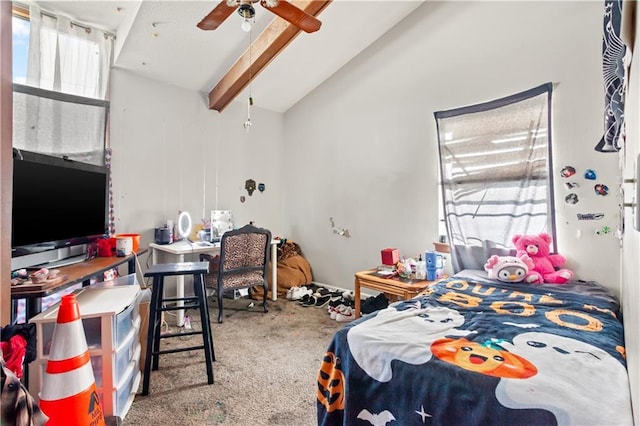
472	351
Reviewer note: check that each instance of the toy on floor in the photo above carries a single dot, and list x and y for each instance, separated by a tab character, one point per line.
510	269
547	266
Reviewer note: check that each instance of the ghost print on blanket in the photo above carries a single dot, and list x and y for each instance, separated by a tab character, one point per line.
403	335
578	382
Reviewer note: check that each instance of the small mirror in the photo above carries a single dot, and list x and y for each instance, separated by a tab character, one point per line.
184	225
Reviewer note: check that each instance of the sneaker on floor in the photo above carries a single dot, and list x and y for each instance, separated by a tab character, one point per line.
374	303
322	301
296	293
336	303
308	300
313	287
345	315
381	302
334	307
300	293
349	302
290	292
321	292
368	305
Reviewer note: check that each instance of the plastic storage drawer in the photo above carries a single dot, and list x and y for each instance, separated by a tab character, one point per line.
109	316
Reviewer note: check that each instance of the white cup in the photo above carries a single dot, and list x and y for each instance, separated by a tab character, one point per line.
124	246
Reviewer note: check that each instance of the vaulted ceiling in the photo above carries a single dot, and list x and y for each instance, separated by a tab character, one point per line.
159	40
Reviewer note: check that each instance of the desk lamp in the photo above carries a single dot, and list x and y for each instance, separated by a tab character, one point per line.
184	225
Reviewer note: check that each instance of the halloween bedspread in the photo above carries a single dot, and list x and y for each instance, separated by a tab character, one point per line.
473	351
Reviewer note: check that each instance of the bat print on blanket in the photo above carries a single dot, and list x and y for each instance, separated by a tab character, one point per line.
598	377
404	335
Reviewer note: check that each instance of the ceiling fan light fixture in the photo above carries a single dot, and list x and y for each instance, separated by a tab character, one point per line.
247	12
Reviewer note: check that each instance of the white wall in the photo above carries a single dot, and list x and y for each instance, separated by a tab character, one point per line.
362	148
171	153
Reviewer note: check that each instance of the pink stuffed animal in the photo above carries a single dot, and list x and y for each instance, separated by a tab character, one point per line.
547	267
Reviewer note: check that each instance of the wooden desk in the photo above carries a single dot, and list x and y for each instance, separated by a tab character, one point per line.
400	287
77	273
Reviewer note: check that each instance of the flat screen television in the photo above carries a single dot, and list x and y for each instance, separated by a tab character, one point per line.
59	206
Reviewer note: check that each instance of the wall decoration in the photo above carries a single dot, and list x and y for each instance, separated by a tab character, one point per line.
242	199
603	231
250	186
601	189
567	171
571	198
615	63
590	216
261	187
343	232
572	185
590	174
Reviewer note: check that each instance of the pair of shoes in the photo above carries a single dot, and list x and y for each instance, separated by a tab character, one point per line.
374	303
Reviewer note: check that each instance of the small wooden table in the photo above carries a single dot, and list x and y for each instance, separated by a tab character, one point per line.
404	288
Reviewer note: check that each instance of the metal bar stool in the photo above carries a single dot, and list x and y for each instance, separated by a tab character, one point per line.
158	272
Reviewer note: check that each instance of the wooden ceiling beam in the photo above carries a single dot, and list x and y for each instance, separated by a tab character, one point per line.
262	51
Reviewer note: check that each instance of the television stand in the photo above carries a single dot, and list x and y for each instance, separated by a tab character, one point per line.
71	260
81	272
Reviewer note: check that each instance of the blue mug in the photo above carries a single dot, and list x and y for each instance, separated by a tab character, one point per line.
432	260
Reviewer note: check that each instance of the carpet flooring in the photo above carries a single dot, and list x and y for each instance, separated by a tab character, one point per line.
264	374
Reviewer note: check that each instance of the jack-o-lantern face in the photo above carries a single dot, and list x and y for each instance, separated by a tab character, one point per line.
483	359
331	383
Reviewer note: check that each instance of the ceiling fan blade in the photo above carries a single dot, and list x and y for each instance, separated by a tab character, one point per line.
294	15
217	16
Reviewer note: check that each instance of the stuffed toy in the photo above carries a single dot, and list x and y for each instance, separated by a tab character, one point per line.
510	269
547	267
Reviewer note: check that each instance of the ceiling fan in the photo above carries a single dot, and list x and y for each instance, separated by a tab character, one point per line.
282	8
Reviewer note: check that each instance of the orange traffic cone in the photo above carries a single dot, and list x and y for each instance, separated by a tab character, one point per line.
68	394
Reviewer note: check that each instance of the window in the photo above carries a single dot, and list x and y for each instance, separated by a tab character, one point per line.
495	162
21	30
61	70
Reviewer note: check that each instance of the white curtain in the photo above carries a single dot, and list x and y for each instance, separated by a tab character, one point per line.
496	167
65	57
62	111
